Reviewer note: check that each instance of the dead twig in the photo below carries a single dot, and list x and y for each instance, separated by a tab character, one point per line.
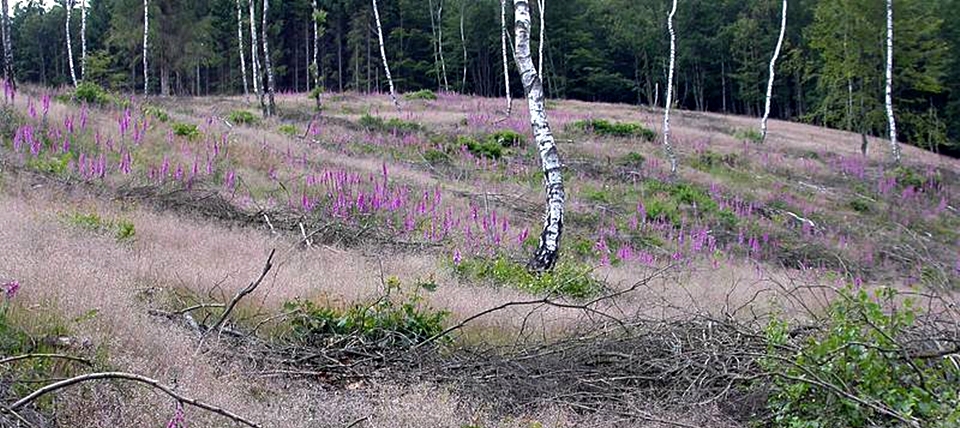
236	299
58	356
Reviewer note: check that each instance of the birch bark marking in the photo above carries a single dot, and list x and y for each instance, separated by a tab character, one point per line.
73	72
773	65
436	55
383	55
547	252
83	40
271	107
894	145
443	63
463	43
243	61
146	30
541	4
316	46
254	57
503	49
8	74
666	111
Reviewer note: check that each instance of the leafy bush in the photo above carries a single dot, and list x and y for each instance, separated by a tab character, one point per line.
749	134
242	117
157	113
423	94
434	156
122	229
398	318
289	130
486	149
374	123
860	205
620	129
54	164
93	94
860	353
507	138
187	130
633	159
315	93
565	280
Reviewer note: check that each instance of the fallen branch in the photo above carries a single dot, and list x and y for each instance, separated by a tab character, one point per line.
131	377
243	293
58	356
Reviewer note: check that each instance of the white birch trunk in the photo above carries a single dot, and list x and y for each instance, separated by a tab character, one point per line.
541	4
443	63
316	46
146	30
8	73
271	107
73	71
436	54
894	145
383	56
83	40
243	60
669	102
254	57
773	64
547	252
503	49
463	43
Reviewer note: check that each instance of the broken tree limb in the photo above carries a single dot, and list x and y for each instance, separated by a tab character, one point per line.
240	295
135	378
57	356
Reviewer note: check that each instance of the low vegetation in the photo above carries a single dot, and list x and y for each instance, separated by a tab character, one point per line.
606	128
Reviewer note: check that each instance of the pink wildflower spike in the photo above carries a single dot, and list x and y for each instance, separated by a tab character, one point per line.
10	289
178	418
457	258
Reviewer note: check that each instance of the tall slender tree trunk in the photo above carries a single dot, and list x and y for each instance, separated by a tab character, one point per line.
443	63
463	44
243	60
316	47
671	154
383	56
773	65
271	107
254	54
436	55
73	72
503	49
542	4
146	30
83	40
8	73
894	145
547	252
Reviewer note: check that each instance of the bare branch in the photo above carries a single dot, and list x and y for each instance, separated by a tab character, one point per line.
243	293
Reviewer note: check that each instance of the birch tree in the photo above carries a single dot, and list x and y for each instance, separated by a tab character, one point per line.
271	106
383	56
8	74
254	57
73	71
243	60
894	145
773	64
146	30
463	44
666	111
547	252
541	4
315	67
503	49
83	40
443	63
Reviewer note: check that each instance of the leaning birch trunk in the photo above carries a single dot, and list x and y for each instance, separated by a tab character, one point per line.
146	30
271	107
83	40
503	49
8	74
894	145
443	63
463	43
436	54
666	111
316	49
243	60
773	64
254	57
383	56
548	249
541	4
73	72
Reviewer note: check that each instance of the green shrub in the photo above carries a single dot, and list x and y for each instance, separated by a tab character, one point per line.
53	164
861	206
907	177
374	123
423	94
289	130
486	149
93	94
157	113
632	159
859	351
187	130
122	229
242	117
620	129
125	230
565	279
397	319
434	156
749	134
315	93
507	138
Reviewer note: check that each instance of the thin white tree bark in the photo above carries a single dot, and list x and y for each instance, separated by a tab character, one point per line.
773	65
894	145
73	71
271	106
8	73
463	44
83	40
547	252
254	56
316	46
541	4
436	54
243	60
146	30
503	49
383	56
443	63
666	111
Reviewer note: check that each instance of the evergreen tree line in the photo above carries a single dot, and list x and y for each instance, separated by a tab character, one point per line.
831	70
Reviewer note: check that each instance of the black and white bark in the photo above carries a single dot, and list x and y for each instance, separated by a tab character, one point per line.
773	65
73	71
254	54
315	71
243	60
436	54
383	56
8	73
146	30
894	145
443	63
271	106
667	145
83	40
503	50
541	4
463	44
548	249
